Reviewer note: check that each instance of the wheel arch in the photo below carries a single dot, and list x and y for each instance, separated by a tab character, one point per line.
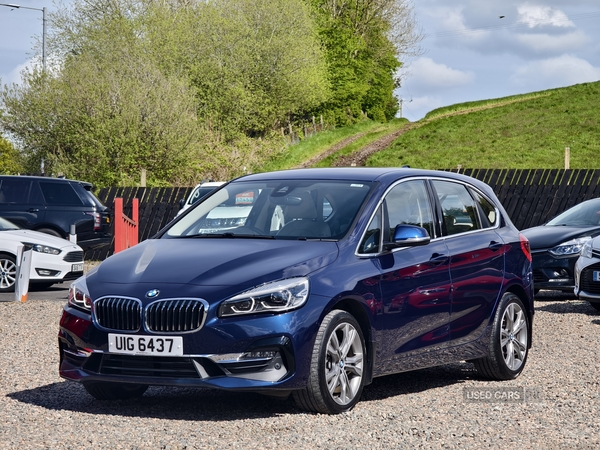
49	226
358	311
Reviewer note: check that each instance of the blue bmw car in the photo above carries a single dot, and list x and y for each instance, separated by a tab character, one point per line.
308	283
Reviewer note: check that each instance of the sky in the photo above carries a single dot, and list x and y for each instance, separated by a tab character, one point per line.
484	49
472	49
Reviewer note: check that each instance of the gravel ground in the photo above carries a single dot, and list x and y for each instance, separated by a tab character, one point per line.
432	408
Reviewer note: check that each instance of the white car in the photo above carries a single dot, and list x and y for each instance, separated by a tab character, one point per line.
587	273
53	259
200	191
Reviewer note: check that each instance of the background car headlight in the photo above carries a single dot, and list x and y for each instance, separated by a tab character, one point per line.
278	296
79	297
569	248
586	250
45	249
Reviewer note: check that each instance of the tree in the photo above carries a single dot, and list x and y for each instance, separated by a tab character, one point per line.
363	40
176	88
10	158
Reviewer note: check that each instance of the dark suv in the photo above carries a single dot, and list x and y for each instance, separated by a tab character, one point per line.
52	205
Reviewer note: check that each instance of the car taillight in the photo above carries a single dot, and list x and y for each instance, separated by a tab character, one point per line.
525	246
96	217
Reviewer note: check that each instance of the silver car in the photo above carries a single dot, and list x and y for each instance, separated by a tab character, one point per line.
587	273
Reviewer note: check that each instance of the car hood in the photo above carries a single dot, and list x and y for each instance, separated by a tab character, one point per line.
213	262
35	237
545	236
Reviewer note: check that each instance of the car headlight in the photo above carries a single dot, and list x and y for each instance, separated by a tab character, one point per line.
569	248
41	248
78	295
586	250
45	249
278	296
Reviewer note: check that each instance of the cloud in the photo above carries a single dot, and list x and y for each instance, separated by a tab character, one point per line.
545	43
538	15
426	73
565	70
14	76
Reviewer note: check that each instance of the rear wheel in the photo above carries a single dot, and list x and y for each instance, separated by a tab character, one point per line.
337	368
8	273
51	232
103	390
509	343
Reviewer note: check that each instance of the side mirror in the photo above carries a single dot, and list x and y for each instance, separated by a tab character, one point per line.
408	236
181	203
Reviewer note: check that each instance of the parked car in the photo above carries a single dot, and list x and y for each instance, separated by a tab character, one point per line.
52	205
556	245
200	191
587	273
335	277
53	259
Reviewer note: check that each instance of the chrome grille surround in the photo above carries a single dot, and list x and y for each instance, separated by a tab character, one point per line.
175	315
118	313
172	315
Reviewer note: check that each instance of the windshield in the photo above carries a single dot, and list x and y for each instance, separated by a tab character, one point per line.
286	209
5	225
199	193
584	214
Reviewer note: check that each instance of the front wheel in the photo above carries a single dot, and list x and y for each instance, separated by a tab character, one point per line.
103	390
8	273
337	367
509	343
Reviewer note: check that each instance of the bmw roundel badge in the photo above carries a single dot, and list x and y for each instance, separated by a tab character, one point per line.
152	293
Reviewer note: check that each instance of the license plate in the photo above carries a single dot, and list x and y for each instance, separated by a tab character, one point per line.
596	275
145	345
77	267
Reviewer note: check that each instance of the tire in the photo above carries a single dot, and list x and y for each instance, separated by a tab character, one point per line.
336	377
102	390
51	232
595	305
509	343
8	273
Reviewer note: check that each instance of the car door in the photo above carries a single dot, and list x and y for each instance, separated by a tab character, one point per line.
476	261
415	281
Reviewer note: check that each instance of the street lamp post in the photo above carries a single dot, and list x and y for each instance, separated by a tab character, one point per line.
43	10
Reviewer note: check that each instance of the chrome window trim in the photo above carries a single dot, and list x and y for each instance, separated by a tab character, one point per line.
495	226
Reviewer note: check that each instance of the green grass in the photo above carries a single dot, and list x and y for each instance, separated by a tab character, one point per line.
319	143
528	131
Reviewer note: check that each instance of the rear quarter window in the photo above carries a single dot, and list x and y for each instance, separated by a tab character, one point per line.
60	194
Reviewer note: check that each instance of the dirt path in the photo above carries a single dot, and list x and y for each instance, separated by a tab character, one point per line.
340	145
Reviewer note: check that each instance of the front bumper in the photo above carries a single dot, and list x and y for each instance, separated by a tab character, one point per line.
230	356
587	283
553	273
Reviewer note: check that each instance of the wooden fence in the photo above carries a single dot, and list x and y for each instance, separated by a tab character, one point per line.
531	197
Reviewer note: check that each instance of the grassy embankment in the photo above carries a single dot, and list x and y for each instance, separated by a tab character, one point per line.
524	131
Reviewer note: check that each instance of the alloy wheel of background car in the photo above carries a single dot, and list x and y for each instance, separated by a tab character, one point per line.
336	380
509	341
8	273
102	390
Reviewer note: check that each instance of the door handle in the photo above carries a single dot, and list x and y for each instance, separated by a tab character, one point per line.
438	259
495	246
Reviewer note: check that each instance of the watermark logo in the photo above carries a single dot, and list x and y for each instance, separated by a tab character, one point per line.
517	394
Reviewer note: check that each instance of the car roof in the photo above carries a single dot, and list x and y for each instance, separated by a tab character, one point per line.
383	174
85	184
